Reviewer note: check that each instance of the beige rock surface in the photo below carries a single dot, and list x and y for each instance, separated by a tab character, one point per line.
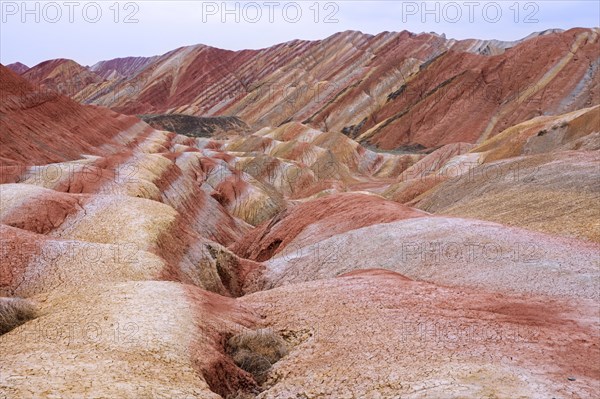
134	339
381	336
449	252
554	193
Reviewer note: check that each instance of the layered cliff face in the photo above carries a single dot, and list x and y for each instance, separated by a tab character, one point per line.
284	257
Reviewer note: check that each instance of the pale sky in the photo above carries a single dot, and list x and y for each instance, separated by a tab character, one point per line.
88	32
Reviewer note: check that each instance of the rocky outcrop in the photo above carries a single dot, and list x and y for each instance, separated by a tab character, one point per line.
430	108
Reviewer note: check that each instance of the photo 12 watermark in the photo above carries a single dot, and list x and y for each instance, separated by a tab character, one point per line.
470	11
53	12
271	12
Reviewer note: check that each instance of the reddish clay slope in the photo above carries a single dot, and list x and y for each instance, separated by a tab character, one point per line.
269	86
43	127
378	335
432	108
317	220
61	75
180	77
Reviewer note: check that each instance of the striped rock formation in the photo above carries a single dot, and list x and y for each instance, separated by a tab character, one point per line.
294	258
63	128
62	76
540	174
121	67
392	90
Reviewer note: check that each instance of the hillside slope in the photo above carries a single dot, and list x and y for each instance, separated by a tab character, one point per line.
292	261
392	90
